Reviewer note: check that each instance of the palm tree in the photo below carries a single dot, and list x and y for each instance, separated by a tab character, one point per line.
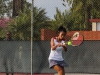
17	6
22	24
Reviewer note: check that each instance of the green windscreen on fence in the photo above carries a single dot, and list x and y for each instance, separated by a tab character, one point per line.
15	57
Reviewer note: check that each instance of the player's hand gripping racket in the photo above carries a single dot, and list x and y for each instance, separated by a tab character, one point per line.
76	40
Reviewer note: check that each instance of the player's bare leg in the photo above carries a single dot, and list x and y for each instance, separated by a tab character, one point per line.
59	69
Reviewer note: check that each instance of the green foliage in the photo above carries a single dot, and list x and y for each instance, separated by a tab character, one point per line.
21	25
81	11
40	19
66	19
5	8
59	19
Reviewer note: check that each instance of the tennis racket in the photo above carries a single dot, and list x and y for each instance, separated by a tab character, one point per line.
75	40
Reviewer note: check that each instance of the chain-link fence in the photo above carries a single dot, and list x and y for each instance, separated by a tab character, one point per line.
15	57
15	36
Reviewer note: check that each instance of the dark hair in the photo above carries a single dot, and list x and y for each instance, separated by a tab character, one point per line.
61	28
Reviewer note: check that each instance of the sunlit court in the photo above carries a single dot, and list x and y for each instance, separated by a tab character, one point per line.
49	37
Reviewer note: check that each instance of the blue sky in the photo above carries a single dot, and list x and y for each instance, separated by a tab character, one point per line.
50	6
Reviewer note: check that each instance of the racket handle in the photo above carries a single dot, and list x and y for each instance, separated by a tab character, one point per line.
63	43
68	43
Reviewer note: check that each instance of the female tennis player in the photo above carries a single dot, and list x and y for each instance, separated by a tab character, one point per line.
56	60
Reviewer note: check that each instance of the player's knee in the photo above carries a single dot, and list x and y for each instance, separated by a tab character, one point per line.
61	70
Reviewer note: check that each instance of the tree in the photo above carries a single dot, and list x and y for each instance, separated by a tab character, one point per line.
4	22
84	10
21	25
12	7
60	19
17	7
5	8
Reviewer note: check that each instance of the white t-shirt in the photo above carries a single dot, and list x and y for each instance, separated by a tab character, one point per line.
57	53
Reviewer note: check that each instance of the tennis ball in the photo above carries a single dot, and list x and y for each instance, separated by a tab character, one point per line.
69	43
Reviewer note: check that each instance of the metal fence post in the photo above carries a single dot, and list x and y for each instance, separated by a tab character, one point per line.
32	20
